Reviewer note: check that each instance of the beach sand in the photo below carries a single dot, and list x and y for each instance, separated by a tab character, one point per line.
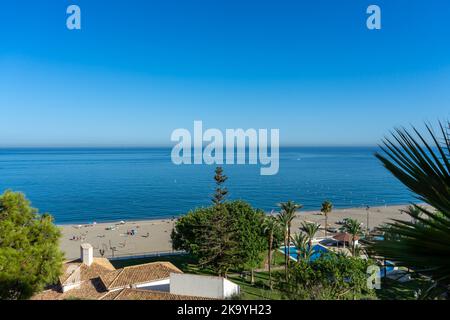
154	235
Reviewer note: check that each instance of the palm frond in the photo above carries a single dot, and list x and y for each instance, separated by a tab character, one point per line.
423	166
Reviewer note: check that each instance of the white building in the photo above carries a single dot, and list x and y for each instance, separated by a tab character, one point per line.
95	278
202	286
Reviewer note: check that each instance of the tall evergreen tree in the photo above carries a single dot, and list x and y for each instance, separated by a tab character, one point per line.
221	191
217	246
228	234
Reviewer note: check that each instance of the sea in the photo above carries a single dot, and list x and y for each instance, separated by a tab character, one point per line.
85	185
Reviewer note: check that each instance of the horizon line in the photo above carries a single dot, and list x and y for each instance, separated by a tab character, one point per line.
155	146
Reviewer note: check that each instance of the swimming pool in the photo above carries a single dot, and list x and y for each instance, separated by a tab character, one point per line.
389	266
317	251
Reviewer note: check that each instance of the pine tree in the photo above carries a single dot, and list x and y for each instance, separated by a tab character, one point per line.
221	191
218	246
30	258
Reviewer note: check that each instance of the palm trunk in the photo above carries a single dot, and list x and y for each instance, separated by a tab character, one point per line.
368	228
326	224
253	276
270	260
353	245
286	256
289	246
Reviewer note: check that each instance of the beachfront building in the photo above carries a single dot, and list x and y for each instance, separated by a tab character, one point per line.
96	278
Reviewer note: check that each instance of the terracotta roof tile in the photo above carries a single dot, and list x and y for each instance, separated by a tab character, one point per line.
344	236
100	266
89	290
140	294
138	274
98	279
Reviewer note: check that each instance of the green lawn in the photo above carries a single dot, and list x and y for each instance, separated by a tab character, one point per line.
394	290
278	258
260	290
188	264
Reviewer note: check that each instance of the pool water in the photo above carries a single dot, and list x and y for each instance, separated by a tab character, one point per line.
317	251
389	266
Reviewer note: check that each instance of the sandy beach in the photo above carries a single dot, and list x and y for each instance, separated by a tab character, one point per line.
149	236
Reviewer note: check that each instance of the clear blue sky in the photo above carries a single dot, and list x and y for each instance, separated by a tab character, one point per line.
139	69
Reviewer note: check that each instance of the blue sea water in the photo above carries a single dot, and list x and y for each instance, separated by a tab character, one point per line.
86	184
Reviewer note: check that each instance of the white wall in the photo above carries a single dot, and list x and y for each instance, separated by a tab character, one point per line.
87	254
202	286
71	286
161	285
230	288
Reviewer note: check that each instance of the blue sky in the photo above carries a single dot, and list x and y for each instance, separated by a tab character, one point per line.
140	69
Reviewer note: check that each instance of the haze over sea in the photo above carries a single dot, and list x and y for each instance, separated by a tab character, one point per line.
82	185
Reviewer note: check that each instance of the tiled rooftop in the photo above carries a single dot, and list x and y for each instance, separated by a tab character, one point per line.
139	294
88	290
138	274
97	280
99	267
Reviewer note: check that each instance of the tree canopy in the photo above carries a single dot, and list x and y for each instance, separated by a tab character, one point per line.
227	234
247	242
30	257
330	277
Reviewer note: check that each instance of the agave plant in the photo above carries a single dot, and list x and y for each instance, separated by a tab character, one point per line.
423	166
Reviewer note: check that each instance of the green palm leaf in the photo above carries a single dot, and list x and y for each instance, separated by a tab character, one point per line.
423	166
310	229
301	242
285	217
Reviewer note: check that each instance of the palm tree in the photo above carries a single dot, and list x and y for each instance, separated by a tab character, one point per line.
327	206
286	215
300	241
270	227
283	220
310	229
367	220
354	228
422	164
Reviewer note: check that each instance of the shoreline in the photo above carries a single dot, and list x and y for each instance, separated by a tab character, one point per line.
141	237
68	224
